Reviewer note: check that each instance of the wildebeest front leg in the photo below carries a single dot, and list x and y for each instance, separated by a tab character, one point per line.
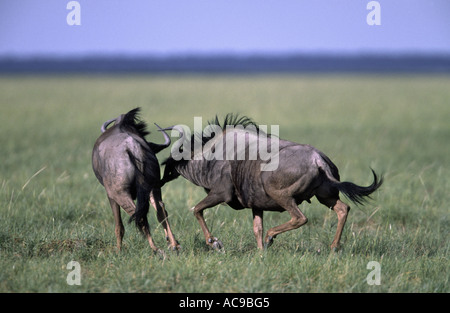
210	201
258	227
161	213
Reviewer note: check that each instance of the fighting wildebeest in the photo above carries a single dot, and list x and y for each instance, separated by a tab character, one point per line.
241	182
126	165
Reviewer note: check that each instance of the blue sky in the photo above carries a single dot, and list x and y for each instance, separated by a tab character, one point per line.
174	27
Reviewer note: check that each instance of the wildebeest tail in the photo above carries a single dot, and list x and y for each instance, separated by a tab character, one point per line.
357	194
143	189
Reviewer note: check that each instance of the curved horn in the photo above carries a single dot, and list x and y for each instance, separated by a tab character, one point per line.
105	124
166	137
178	128
158	147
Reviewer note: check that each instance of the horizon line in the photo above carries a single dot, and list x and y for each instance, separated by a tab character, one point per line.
224	54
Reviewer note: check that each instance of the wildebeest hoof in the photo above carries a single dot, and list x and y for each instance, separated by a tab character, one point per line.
215	243
174	249
335	248
218	245
160	253
269	242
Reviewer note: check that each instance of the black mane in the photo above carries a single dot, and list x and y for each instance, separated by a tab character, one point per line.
231	119
132	122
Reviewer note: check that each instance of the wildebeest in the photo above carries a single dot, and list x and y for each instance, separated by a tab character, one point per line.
302	173
126	165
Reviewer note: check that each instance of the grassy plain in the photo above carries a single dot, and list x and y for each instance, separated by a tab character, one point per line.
53	211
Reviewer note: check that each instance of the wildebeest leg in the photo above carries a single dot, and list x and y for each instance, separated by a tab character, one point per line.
119	229
127	203
258	227
297	219
341	210
211	200
161	213
146	230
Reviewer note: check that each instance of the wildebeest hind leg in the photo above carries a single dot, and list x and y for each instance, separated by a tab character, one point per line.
119	229
297	219
127	203
161	213
341	210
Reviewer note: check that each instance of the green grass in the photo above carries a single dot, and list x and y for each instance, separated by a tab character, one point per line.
53	211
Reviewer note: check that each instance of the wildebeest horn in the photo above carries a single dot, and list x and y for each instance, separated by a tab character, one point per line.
166	137
105	124
178	128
